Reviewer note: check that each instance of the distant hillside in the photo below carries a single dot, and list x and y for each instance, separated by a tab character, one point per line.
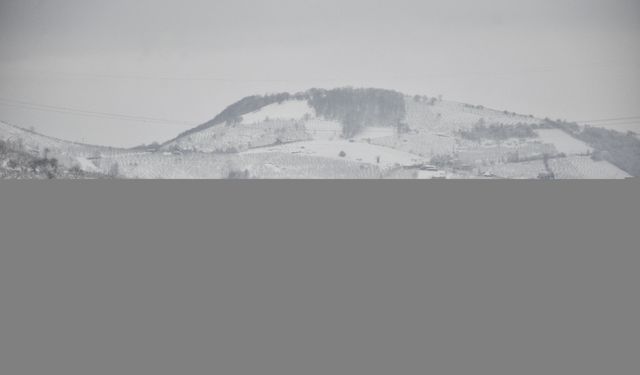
34	142
344	133
353	108
73	156
246	123
419	125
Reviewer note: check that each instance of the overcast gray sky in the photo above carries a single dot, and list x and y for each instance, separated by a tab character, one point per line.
185	60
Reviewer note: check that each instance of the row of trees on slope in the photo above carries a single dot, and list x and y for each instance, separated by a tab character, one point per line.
354	108
235	111
497	131
620	149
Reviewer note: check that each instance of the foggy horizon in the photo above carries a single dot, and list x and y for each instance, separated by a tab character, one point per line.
186	61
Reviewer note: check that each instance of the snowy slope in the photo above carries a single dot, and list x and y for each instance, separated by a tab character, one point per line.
256	165
447	117
239	137
384	157
563	142
67	153
295	120
284	137
272	124
583	167
288	110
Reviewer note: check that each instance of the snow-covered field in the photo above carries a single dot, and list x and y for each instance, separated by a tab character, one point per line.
420	142
447	117
563	142
583	167
372	133
353	151
240	137
321	129
491	152
255	165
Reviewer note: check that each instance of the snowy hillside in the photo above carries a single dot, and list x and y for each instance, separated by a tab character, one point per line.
360	133
289	110
69	154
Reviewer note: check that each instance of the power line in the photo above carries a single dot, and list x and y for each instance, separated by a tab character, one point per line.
88	113
632	118
605	125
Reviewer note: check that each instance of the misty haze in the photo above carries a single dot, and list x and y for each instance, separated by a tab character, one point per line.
310	89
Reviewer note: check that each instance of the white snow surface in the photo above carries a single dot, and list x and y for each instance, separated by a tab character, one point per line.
375	133
241	137
259	165
583	167
446	117
354	151
288	110
320	129
563	142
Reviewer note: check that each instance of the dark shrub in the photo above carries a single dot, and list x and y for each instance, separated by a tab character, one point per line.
498	132
238	175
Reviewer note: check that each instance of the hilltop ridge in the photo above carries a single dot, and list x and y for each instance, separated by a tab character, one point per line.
361	133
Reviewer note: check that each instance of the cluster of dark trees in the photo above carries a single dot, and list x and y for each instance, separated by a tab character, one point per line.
515	157
443	161
23	164
238	175
150	147
473	106
234	112
353	108
356	109
425	99
498	132
17	157
620	149
569	127
248	105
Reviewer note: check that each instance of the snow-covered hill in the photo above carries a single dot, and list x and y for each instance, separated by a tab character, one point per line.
359	133
68	153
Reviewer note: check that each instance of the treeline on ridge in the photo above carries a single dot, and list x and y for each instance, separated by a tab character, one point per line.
354	108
